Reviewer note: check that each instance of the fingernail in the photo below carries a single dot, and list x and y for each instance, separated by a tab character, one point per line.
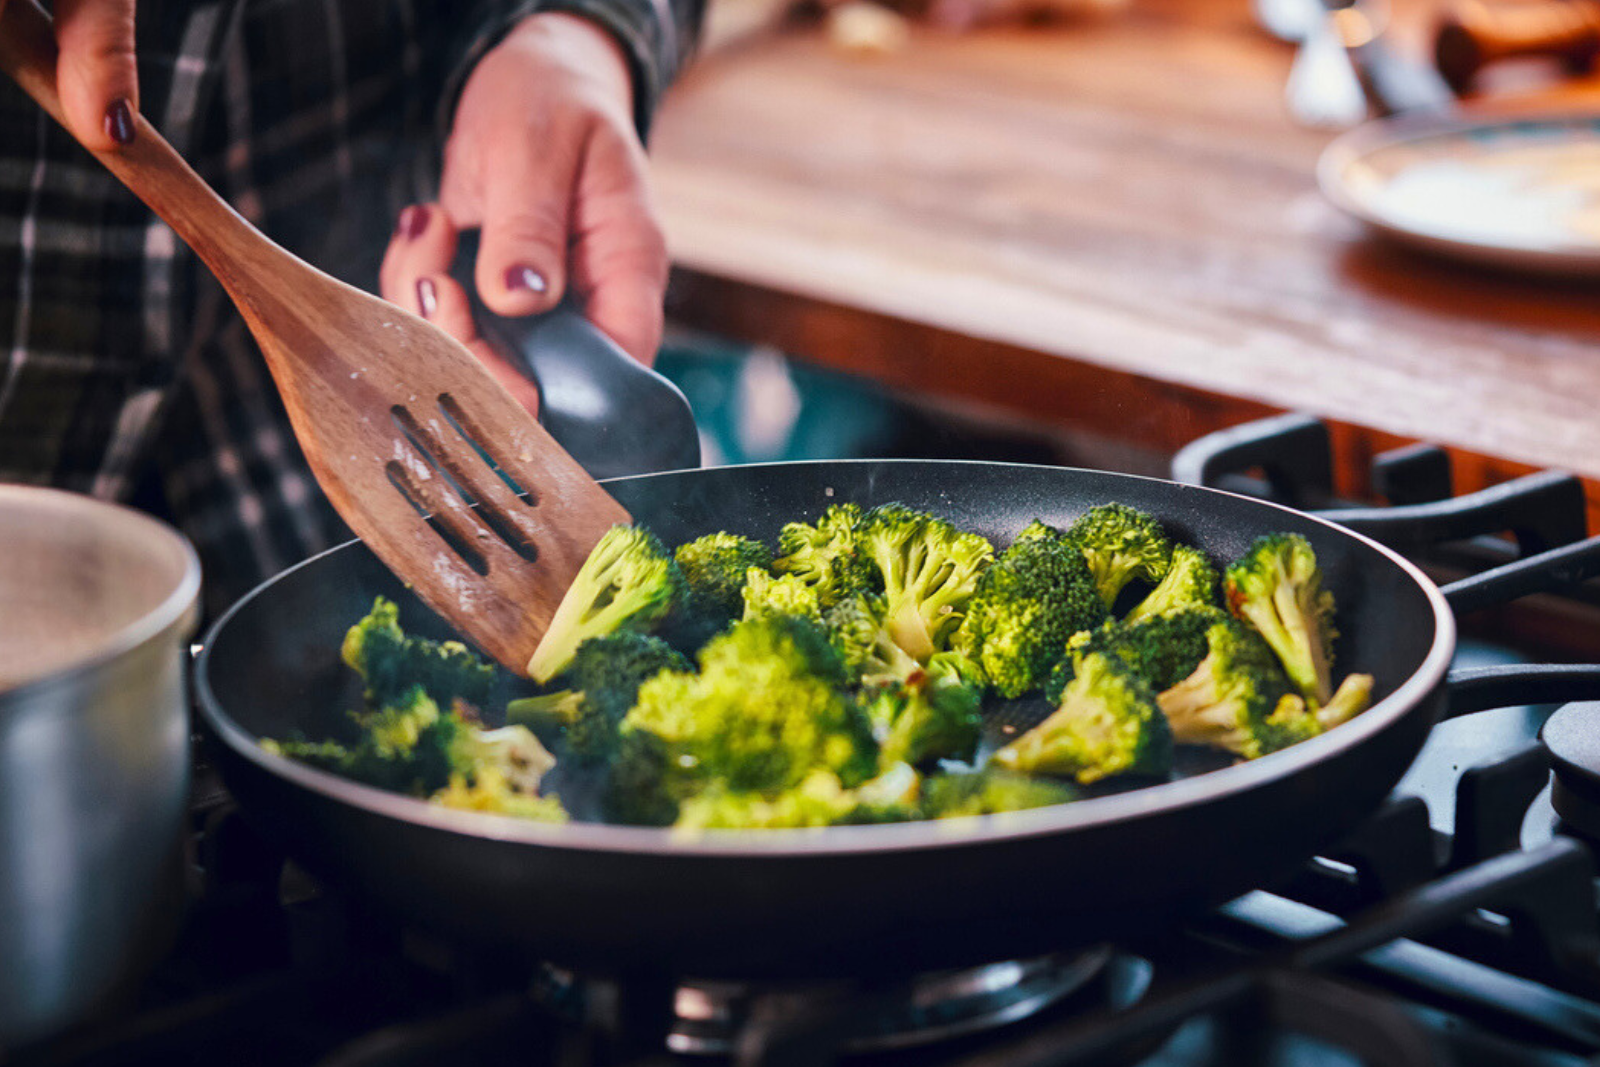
520	277
119	122
413	220
427	297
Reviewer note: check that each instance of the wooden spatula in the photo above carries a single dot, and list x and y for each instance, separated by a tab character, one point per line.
419	448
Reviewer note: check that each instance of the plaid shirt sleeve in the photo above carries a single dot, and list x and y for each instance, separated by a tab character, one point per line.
124	371
657	35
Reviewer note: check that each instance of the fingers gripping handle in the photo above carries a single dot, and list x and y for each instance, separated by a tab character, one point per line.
611	413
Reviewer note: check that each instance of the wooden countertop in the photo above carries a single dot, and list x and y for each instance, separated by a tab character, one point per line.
1112	226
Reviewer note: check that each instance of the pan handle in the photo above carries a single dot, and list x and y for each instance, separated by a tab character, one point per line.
613	414
1473	689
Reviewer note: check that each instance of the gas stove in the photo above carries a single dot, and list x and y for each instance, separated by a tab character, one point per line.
1459	925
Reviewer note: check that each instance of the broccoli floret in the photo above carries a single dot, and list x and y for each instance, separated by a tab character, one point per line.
1162	650
957	667
1293	720
390	662
629	582
603	682
1190	582
715	567
1038	593
827	556
784	595
1120	544
924	718
764	711
1276	586
929	570
1108	723
821	799
858	631
491	791
947	796
1230	698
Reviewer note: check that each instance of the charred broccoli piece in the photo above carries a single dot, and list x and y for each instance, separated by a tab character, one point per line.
929	569
603	682
1276	586
1120	544
1230	698
827	556
1107	724
989	792
1190	582
1162	650
923	719
765	710
782	595
629	582
1035	595
391	662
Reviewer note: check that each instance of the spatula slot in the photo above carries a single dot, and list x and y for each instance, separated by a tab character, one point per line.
414	495
469	432
465	484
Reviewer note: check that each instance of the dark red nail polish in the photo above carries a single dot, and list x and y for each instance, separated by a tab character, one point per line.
427	297
521	277
119	122
413	220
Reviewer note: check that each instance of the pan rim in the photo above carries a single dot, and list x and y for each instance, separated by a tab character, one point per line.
779	844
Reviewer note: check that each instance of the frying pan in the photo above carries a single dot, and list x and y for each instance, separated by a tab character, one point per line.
844	900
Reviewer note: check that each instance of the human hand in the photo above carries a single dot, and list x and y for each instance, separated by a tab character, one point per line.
544	159
95	74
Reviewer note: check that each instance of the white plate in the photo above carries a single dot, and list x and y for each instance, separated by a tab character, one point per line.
1519	192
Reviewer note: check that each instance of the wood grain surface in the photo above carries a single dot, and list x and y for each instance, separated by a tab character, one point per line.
1112	226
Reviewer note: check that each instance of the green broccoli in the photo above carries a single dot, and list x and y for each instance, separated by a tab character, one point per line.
1035	595
1190	582
1230	698
784	595
629	582
989	792
929	570
765	710
1162	649
490	792
715	568
858	631
391	662
1276	586
1120	544
820	799
827	556
1293	720
603	682
1107	724
924	718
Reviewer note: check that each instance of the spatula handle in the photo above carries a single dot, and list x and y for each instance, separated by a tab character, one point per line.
149	166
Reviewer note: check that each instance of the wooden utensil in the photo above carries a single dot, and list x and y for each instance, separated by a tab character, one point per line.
422	452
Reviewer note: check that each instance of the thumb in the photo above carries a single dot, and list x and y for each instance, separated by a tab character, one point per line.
96	76
522	258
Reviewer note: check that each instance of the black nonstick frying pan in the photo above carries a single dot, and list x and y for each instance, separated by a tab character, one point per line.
845	900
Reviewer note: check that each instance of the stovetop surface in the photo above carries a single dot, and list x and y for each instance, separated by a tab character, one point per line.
1459	926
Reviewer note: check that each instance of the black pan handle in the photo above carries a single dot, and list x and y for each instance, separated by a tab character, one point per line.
1473	689
613	414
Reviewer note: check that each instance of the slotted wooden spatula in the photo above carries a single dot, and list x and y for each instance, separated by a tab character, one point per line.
419	448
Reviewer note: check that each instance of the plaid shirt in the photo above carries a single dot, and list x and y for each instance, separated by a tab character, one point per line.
124	370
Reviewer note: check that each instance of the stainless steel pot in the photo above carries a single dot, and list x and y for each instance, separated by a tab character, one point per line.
97	603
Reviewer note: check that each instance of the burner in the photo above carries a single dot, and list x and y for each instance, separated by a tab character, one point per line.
1572	735
711	1018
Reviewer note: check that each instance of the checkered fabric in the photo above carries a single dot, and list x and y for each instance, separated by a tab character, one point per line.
124	370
